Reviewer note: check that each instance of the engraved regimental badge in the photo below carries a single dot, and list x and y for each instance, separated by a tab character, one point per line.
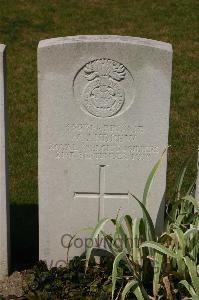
103	88
103	96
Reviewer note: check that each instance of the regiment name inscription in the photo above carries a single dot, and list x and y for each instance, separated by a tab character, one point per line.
102	141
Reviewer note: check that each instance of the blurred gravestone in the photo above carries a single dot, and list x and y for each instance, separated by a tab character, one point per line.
197	182
103	123
4	209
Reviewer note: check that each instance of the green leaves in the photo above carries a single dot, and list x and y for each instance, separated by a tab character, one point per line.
136	238
192	200
157	271
134	287
147	219
150	180
189	289
193	273
162	249
142	257
119	257
179	181
93	237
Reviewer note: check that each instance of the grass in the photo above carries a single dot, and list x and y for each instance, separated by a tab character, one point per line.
24	23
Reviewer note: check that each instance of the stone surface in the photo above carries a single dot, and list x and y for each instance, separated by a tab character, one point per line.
13	287
103	123
4	209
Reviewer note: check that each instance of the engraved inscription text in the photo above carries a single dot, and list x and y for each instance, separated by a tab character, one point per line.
99	142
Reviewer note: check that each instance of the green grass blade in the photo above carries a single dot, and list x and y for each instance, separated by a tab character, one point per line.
192	187
160	248
189	232
116	262
131	285
93	236
193	273
129	225
144	252
180	178
121	234
192	240
181	239
188	287
150	179
157	270
108	239
180	263
134	286
136	238
171	215
192	200
147	218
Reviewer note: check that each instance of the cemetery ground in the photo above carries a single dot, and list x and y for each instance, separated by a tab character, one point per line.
23	24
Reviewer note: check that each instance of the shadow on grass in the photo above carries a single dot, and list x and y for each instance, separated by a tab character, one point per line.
24	235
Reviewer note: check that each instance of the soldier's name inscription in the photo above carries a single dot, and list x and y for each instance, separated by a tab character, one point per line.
103	141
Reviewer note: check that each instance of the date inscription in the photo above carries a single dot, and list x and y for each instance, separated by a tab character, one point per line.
101	142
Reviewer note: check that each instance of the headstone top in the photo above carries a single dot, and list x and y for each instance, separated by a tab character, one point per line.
2	48
106	38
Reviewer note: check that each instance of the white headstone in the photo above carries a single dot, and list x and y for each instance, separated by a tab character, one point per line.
103	123
4	209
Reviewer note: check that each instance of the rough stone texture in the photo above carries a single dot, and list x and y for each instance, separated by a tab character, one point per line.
12	286
4	209
103	123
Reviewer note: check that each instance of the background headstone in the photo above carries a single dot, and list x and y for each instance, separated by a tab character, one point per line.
4	208
197	182
103	123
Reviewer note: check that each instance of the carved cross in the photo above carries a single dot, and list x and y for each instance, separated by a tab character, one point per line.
101	195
